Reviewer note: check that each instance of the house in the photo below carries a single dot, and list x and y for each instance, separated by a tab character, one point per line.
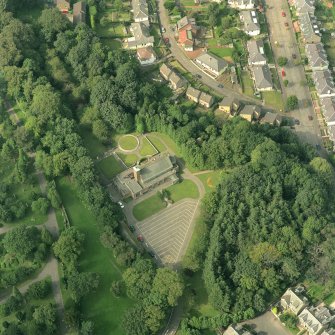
236	330
229	105
213	64
176	81
256	52
141	36
328	110
63	5
273	119
250	112
309	28
186	23
251	25
79	12
242	4
330	331
315	319
206	100
317	56
305	6
146	56
193	94
324	83
140	11
291	300
143	178
186	40
331	133
165	71
262	78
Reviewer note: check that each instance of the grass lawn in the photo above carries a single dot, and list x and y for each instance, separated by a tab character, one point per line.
274	99
128	142
157	143
110	167
168	141
268	52
222	52
247	83
148	207
185	189
92	144
210	179
101	306
318	293
146	148
113	44
112	30
128	159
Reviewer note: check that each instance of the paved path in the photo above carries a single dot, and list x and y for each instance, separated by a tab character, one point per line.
179	55
308	130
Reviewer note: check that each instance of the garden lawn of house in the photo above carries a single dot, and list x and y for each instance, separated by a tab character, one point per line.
146	148
273	99
185	189
318	294
92	144
100	306
247	84
128	159
110	167
226	53
210	179
128	142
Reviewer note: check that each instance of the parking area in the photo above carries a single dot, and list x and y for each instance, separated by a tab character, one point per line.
165	232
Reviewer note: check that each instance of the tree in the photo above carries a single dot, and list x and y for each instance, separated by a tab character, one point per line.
45	315
100	130
169	5
133	322
292	102
116	288
81	284
69	246
39	290
53	195
286	82
282	61
41	206
168	286
87	328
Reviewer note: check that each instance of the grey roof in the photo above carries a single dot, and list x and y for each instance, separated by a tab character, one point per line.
216	63
184	21
176	79
331	132
79	12
165	70
262	75
140	9
250	110
272	118
193	92
250	22
330	331
316	55
256	51
141	34
156	169
328	109
324	83
62	3
206	98
228	101
304	6
309	27
241	3
236	330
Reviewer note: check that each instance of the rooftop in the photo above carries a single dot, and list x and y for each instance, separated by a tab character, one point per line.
304	6
328	109
193	92
256	51
250	21
145	53
140	9
262	75
79	12
212	61
155	169
324	82
206	98
309	27
316	55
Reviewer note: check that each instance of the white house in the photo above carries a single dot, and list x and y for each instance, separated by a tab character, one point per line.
242	4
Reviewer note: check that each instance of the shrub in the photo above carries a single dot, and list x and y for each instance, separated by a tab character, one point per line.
39	290
41	206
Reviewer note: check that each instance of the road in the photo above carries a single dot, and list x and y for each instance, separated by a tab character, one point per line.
179	55
308	130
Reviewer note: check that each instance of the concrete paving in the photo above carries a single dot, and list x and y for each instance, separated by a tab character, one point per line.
308	130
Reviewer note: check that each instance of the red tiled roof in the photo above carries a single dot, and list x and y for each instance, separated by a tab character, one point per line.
185	37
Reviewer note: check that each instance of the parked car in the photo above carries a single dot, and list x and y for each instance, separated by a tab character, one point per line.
151	254
166	40
294	56
297	122
140	238
220	86
120	204
131	228
198	76
283	73
163	30
286	24
310	117
283	14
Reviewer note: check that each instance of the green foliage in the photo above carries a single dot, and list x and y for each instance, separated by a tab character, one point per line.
39	290
282	61
292	102
41	206
289	320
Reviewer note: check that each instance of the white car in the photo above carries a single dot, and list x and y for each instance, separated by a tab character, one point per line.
163	30
121	204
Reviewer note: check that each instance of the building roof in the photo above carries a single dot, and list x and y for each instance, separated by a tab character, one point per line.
62	4
291	298
236	330
214	62
241	3
206	98
193	92
304	6
250	110
256	51
316	55
250	20
272	118
141	34
328	109
165	70
175	78
309	27
185	37
155	169
184	21
146	53
140	9
331	132
262	75
79	12
228	101
324	82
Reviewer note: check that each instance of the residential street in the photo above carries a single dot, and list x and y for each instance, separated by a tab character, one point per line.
179	55
308	130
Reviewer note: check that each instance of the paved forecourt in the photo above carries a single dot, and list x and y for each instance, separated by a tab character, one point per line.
166	231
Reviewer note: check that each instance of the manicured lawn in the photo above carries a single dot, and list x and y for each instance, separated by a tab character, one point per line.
148	207
185	189
113	44
210	179
318	293
111	30
128	159
110	167
274	99
222	52
157	143
92	144
101	306
167	140
146	148
128	142
248	86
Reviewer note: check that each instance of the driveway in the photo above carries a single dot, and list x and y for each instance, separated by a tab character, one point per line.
267	324
179	55
308	131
